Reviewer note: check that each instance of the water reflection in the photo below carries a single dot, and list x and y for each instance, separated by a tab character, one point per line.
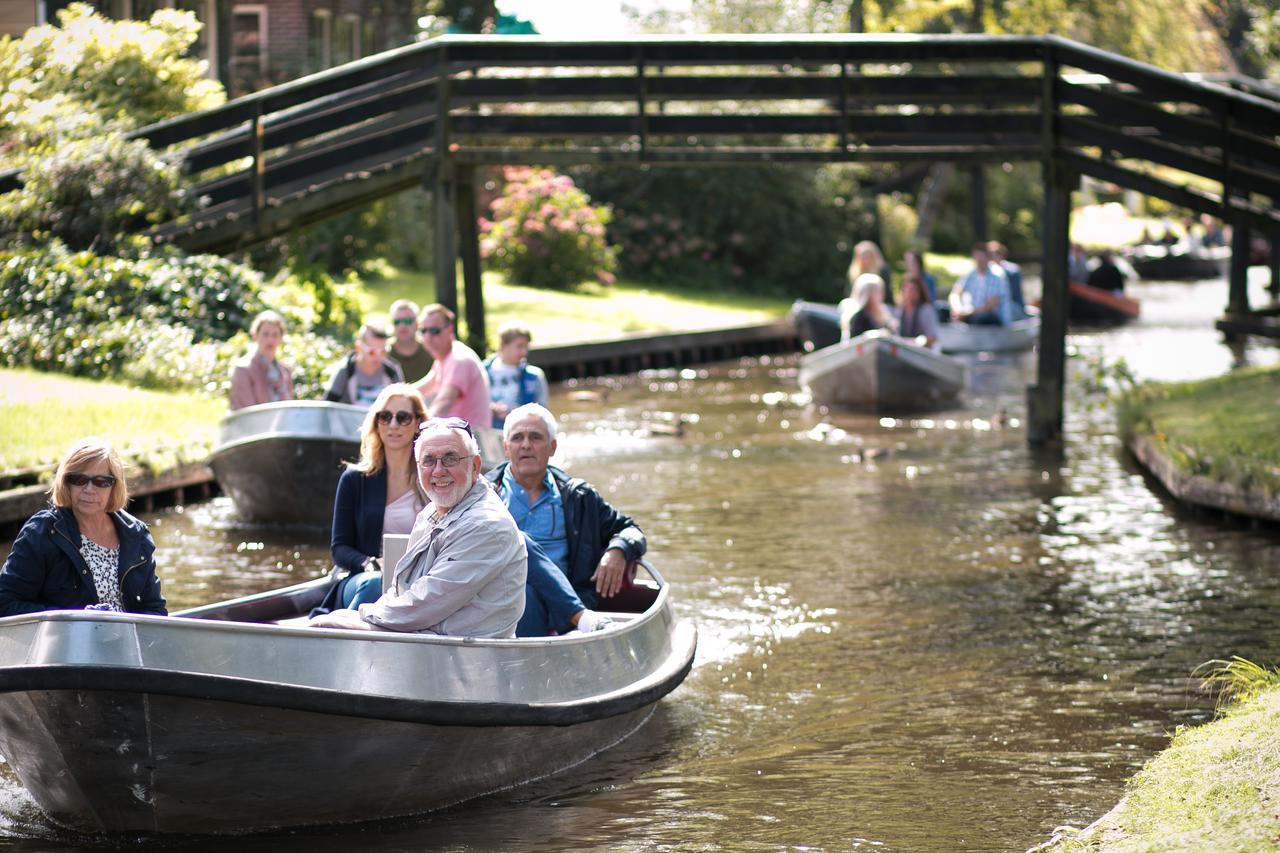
916	634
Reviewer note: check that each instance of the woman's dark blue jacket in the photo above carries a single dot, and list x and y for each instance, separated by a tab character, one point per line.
359	508
46	571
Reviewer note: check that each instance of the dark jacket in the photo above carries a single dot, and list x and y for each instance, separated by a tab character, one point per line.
592	526
45	570
359	508
340	384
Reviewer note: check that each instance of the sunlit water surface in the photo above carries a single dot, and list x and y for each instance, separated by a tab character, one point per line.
915	634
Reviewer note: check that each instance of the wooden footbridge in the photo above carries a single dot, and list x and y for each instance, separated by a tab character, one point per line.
432	112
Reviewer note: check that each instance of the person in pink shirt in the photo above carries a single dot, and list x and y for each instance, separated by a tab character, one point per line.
457	385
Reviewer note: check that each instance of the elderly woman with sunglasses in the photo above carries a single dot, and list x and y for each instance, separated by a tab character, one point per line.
84	552
380	493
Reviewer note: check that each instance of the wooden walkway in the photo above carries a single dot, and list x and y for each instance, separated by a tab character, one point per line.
431	113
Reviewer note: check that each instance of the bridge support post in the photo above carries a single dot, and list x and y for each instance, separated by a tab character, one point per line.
1045	398
469	248
444	199
1238	272
1273	262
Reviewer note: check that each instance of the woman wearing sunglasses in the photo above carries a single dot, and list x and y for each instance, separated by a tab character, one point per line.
84	552
380	493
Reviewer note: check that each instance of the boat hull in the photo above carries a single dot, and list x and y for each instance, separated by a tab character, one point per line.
203	724
1011	337
817	325
1095	305
881	371
1181	267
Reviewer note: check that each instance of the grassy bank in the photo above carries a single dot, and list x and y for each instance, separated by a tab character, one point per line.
1224	428
591	314
1215	788
42	413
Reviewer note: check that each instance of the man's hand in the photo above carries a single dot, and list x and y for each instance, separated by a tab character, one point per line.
348	619
611	573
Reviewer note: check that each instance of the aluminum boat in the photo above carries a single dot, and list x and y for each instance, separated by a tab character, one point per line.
1011	337
231	719
280	462
881	371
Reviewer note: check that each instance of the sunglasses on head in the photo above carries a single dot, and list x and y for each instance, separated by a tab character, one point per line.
102	481
402	417
451	423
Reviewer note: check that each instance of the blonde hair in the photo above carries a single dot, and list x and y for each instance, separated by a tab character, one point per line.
373	458
263	319
855	266
81	456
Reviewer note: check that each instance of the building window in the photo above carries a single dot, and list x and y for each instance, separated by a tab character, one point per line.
248	48
320	41
346	39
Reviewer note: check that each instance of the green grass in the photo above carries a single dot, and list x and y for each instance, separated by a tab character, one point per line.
41	414
1224	428
1216	787
591	314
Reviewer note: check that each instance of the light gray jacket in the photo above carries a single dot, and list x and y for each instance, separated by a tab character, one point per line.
463	577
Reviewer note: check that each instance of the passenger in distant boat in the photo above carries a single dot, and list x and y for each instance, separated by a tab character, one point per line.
999	256
867	258
919	317
913	261
1213	234
982	296
865	310
1107	275
1169	237
84	552
258	377
406	347
512	380
1077	263
593	544
361	378
457	385
463	573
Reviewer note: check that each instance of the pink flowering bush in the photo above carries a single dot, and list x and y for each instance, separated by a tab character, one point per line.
546	233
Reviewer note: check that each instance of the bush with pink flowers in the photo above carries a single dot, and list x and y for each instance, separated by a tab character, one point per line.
546	233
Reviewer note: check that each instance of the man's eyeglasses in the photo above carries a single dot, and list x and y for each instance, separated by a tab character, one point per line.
402	417
431	330
403	321
451	423
102	481
449	460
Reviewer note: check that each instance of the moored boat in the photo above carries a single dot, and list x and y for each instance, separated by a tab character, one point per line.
1095	305
1157	262
227	721
1011	337
817	324
280	462
881	371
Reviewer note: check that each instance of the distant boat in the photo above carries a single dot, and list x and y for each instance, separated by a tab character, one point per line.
1095	305
1011	337
879	370
1159	263
817	324
280	462
226	721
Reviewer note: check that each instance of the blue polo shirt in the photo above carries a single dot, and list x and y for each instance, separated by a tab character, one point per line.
544	521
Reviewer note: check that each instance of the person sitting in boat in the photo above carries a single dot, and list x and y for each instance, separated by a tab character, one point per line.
84	552
865	310
867	258
593	544
982	296
913	262
366	372
919	317
463	572
406	347
999	255
1107	275
1077	263
512	380
457	385
258	377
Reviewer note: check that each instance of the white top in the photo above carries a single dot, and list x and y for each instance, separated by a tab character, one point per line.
400	513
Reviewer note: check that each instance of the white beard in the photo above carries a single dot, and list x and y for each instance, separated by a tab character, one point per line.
447	498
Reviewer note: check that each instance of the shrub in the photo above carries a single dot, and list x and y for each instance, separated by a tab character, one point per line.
546	233
90	192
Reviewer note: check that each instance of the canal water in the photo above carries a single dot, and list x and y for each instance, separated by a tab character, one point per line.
915	634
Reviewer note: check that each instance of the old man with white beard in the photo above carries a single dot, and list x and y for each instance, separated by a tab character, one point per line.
463	573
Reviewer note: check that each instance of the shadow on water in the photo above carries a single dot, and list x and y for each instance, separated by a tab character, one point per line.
915	633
